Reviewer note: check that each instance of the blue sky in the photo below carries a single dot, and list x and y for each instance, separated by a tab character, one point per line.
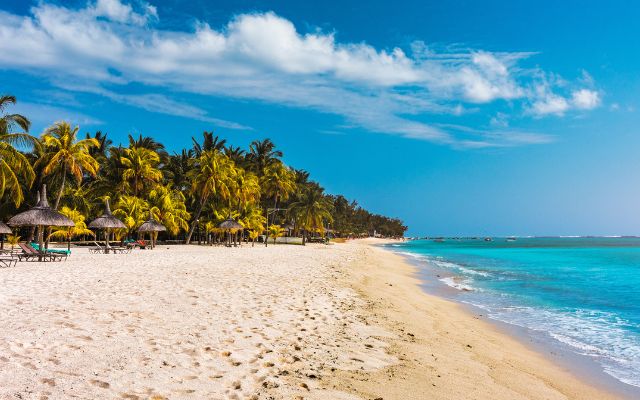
506	118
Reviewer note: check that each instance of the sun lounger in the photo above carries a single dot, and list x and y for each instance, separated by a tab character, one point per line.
7	261
96	249
53	251
29	253
121	249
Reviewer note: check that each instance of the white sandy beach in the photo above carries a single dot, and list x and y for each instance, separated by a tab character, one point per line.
345	321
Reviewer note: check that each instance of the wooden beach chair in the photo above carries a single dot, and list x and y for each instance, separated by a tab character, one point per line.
121	249
29	253
55	254
8	261
96	249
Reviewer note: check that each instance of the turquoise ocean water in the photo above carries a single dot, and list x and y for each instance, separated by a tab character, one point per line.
583	293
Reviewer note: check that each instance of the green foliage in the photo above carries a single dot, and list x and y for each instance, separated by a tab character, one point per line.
69	232
15	169
275	231
208	183
13	240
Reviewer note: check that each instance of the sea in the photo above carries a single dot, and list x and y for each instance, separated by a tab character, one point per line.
581	294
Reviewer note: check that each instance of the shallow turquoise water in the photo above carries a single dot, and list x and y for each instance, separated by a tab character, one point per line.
582	292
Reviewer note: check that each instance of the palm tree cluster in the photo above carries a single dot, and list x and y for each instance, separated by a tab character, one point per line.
190	192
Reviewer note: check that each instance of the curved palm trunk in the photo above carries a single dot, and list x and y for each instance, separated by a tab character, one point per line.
56	205
196	217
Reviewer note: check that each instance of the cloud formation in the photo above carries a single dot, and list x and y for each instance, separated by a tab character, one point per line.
110	44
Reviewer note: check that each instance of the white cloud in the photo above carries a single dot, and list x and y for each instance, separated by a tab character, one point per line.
585	99
116	11
550	104
110	44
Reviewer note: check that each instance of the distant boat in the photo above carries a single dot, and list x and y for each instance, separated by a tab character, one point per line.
439	240
511	239
488	239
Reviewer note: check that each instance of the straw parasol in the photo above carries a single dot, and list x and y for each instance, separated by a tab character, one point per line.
229	225
4	229
40	215
107	222
152	226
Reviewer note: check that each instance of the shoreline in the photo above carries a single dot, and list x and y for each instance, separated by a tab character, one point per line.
582	366
444	350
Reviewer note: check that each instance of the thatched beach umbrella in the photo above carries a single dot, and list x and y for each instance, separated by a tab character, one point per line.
40	215
229	225
4	229
152	227
107	222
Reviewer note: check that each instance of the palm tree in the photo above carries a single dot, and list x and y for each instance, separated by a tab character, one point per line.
237	155
64	154
278	183
262	154
209	142
253	220
246	190
9	122
13	240
177	169
140	168
150	143
302	177
14	165
68	233
213	174
104	144
312	209
167	205
132	211
275	231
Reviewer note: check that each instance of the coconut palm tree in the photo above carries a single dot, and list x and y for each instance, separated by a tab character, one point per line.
13	240
237	155
140	169
177	168
278	183
131	210
253	220
311	209
15	168
150	143
246	190
64	155
262	154
167	206
209	142
104	144
213	174
275	231
68	233
10	122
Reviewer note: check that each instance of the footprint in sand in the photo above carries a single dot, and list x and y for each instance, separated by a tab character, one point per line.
48	381
100	384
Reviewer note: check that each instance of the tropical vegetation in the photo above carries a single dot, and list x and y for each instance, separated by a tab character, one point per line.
190	191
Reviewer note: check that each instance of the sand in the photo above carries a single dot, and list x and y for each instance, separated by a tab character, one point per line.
345	321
